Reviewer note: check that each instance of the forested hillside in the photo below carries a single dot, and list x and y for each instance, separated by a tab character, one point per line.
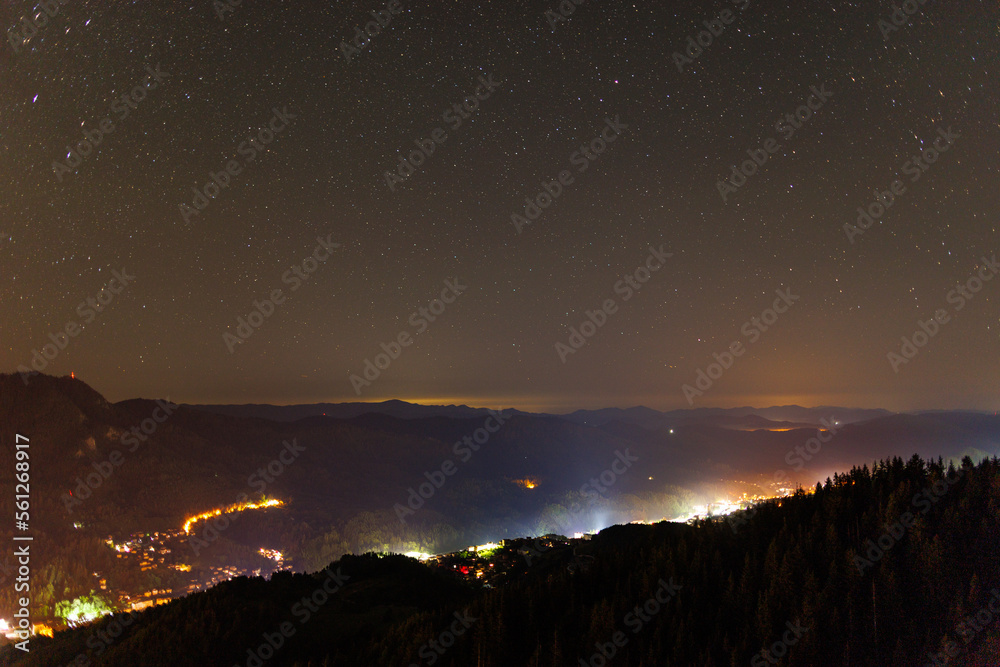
882	566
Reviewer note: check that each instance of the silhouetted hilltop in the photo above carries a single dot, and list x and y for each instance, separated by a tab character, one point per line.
378	482
890	565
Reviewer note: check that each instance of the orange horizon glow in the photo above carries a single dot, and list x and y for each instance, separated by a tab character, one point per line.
559	404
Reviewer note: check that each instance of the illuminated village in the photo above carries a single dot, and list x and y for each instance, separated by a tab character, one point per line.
489	565
159	552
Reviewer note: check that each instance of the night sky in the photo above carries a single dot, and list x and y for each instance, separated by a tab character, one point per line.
337	125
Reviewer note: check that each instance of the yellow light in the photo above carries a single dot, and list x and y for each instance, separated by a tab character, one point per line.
236	507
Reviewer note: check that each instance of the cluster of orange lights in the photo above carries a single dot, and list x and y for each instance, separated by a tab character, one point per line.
527	482
237	507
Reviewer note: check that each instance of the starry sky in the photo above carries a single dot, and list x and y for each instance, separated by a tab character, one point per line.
892	91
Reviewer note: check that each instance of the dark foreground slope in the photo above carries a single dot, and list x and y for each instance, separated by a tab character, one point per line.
878	567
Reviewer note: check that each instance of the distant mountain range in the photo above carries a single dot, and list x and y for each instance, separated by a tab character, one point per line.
393	408
788	416
393	443
367	454
395	476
